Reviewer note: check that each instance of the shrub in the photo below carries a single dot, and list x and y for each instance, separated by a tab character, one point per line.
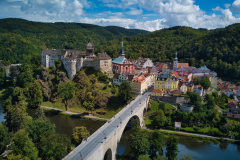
196	128
102	77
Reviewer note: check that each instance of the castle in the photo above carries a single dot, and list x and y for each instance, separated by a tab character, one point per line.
74	60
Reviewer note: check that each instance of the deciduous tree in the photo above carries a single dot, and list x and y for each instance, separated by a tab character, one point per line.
79	133
156	143
172	148
35	98
66	91
54	146
125	91
89	102
23	146
159	119
38	127
5	137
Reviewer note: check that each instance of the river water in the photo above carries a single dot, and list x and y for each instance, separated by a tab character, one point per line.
199	150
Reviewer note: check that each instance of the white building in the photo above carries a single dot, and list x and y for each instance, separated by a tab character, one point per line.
203	69
228	92
198	89
118	78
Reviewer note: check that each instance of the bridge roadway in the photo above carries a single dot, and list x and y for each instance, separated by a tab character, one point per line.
85	149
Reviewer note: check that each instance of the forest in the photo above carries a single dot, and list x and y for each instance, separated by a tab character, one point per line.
218	49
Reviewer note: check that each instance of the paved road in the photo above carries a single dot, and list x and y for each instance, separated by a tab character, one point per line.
96	139
199	135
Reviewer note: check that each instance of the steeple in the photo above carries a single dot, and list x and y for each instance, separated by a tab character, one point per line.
121	54
176	59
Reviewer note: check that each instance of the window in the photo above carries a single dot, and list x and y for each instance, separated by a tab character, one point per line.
169	79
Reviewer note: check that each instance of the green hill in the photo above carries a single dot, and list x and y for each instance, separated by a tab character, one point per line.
20	37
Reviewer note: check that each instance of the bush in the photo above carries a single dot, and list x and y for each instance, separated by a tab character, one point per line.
105	86
102	77
113	90
196	128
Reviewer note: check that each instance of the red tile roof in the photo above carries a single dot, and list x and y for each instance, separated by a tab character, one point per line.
232	101
182	65
146	74
237	88
140	79
176	92
157	91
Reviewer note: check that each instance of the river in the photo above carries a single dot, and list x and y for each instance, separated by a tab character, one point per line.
199	150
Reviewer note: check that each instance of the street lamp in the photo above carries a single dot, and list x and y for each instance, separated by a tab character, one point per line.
80	155
120	120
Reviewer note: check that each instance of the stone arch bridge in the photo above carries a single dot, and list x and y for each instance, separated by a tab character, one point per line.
102	144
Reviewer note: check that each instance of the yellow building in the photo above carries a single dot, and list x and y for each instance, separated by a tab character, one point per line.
166	82
190	87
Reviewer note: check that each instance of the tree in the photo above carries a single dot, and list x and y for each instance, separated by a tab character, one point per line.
156	142
158	157
2	78
185	158
159	119
139	144
172	148
17	157
81	79
16	119
38	127
196	80
79	133
89	102
125	91
144	157
35	98
194	97
25	78
54	146
13	71
205	83
23	146
66	92
162	106
5	137
102	77
39	113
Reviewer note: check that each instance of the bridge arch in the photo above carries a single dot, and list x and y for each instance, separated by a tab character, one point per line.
108	155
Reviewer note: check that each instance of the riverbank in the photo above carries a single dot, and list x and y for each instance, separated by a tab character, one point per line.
200	136
72	114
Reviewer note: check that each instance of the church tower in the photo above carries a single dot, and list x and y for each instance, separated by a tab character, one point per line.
90	48
175	62
121	54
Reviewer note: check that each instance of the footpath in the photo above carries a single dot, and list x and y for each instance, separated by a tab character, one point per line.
193	134
73	113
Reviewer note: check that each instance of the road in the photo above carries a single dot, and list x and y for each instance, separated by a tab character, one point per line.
97	138
199	135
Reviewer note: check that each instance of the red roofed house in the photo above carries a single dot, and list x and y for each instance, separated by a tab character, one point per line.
236	91
161	67
232	103
176	93
139	85
182	86
222	87
157	92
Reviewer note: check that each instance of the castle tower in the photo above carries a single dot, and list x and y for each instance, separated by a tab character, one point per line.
121	54
175	62
90	48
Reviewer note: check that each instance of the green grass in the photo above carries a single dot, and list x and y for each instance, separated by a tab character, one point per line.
148	121
232	121
188	128
168	106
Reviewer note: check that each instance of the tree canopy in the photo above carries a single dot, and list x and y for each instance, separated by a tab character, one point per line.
125	91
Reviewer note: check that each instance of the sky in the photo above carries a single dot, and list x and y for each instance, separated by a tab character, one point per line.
148	15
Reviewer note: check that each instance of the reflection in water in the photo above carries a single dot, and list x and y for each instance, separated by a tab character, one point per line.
197	149
65	124
1	112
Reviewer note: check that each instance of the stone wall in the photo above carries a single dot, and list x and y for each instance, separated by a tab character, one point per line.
172	99
186	107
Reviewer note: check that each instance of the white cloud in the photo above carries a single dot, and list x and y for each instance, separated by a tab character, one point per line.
121	22
236	5
134	11
148	25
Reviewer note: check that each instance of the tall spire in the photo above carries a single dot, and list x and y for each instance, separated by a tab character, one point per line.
122	51
176	59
